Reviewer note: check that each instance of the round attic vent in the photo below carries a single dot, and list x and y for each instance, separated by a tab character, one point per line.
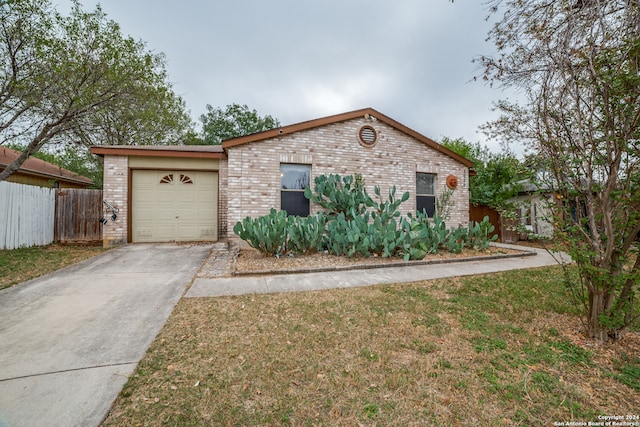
367	136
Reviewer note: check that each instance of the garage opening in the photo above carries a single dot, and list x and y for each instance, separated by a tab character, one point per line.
174	206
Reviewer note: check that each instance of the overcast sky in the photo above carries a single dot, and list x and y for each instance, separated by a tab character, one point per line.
298	60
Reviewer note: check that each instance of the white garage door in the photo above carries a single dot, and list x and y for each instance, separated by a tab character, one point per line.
176	206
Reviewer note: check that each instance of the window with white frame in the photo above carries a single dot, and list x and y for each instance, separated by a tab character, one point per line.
294	178
426	193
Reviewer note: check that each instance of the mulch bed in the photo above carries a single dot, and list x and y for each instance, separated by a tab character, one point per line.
249	261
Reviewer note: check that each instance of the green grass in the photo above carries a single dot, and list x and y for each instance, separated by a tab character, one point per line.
20	265
627	371
487	350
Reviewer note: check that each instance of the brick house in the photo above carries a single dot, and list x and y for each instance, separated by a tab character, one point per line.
190	193
37	172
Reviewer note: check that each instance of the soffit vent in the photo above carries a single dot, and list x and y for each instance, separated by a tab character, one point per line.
367	136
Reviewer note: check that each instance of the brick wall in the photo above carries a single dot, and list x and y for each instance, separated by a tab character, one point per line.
254	169
223	181
116	184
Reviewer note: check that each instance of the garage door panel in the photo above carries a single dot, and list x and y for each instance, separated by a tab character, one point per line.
187	215
165	194
146	179
163	233
206	214
174	206
207	198
147	196
145	214
163	214
207	233
143	234
204	178
185	202
189	232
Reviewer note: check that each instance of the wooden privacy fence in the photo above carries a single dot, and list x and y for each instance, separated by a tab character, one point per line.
478	212
26	215
77	217
35	216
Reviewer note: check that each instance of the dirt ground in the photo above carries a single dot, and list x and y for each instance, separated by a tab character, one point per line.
251	261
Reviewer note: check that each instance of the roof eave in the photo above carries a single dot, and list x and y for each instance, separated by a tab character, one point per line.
25	171
297	127
121	151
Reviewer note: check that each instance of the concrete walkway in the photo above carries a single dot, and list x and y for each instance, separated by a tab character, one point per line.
70	340
219	286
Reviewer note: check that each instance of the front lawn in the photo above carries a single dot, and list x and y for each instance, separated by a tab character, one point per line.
493	350
19	265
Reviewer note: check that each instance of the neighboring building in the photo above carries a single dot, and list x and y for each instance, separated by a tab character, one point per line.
191	193
533	203
40	173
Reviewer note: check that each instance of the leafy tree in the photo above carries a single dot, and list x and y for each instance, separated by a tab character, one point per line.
577	65
496	174
157	116
79	160
472	151
235	120
77	79
193	138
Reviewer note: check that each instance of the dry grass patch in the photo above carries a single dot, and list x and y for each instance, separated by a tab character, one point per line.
489	350
20	265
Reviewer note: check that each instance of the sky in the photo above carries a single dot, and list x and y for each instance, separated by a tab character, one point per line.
299	60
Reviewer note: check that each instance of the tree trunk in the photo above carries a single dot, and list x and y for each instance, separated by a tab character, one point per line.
597	300
47	132
626	296
14	166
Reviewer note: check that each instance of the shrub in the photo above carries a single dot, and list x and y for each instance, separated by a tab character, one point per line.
306	234
423	235
481	234
357	225
267	233
456	239
388	237
414	243
340	195
349	237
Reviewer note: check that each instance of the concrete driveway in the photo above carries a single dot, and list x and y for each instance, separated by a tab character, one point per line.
69	340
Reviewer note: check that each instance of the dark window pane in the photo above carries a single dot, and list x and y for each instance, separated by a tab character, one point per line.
427	203
294	177
425	183
294	203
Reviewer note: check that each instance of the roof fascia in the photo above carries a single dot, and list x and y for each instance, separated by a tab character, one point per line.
25	171
420	137
117	151
286	130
